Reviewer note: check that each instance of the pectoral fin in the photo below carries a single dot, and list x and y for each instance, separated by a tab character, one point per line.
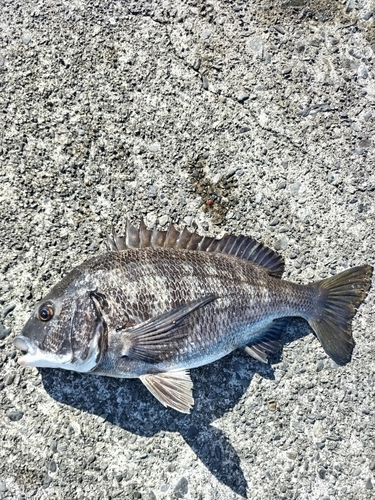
158	339
172	389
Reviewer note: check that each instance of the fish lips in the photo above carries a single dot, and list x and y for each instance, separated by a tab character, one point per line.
36	357
26	345
42	359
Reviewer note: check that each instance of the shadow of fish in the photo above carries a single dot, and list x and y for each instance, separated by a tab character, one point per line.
162	302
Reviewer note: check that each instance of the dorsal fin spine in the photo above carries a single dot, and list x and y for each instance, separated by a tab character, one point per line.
229	250
240	247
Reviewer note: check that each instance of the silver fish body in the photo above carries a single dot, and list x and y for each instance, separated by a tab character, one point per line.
178	301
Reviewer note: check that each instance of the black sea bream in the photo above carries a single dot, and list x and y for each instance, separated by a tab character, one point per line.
162	302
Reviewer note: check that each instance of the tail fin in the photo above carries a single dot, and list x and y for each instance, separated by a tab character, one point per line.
338	300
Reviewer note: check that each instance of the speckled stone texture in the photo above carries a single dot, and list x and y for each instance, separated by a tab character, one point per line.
252	118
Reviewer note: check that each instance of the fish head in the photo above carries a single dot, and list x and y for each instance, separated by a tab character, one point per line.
64	330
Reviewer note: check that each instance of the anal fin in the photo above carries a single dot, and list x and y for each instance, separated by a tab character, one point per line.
270	341
172	389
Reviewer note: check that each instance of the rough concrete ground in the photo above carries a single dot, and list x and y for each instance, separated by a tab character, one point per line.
246	117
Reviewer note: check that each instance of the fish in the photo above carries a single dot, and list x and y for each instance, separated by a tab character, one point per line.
160	303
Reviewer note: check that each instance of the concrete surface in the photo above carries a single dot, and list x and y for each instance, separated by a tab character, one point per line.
246	117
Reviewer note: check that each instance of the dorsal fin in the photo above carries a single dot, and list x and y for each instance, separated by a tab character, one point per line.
241	247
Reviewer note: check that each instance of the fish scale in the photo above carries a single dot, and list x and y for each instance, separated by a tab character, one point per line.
162	302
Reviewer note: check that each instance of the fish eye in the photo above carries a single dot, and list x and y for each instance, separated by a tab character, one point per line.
45	312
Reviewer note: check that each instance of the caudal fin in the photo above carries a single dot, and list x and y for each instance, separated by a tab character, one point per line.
338	300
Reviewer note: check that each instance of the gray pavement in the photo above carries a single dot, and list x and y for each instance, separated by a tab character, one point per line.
253	118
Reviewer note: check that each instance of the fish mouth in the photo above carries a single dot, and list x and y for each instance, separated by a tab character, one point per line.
27	346
36	357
